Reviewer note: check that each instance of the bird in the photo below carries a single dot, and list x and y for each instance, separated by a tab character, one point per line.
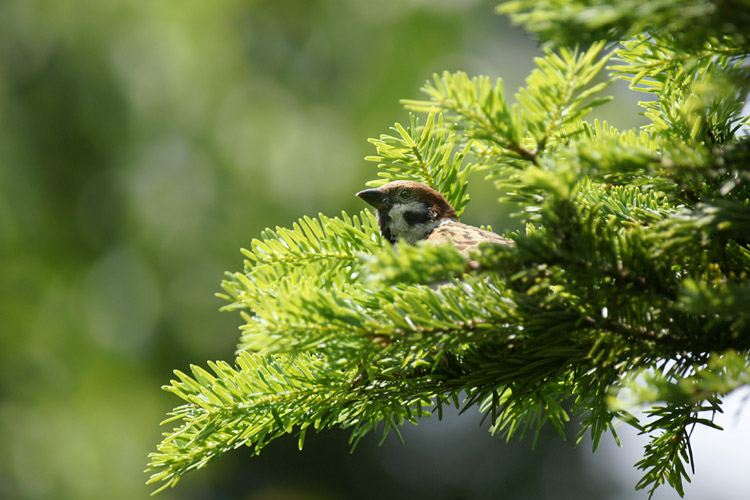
412	211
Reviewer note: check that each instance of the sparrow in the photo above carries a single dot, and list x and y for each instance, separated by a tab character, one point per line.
413	211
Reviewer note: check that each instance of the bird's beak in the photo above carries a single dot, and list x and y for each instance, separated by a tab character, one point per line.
375	197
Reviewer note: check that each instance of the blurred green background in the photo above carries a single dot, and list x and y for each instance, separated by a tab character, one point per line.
142	144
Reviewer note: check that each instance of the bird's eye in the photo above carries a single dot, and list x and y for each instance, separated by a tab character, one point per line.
405	194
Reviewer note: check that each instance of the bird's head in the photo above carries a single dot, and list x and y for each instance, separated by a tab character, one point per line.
408	209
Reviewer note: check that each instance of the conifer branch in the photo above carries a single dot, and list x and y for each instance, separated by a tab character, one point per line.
428	153
570	22
632	271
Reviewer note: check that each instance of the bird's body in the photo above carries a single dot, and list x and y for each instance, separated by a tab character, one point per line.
412	211
464	237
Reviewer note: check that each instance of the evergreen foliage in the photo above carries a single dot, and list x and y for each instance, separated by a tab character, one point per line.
689	23
628	286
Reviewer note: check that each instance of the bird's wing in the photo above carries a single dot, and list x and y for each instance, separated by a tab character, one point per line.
464	237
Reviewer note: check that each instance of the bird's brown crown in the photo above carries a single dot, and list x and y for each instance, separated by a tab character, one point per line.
404	191
425	194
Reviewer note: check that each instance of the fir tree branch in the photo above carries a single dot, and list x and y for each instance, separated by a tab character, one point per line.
427	153
557	95
476	101
690	23
634	261
697	89
262	398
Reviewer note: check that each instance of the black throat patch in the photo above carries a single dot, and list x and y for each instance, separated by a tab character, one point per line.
383	223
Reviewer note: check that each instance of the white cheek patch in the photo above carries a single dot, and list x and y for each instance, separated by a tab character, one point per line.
401	229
